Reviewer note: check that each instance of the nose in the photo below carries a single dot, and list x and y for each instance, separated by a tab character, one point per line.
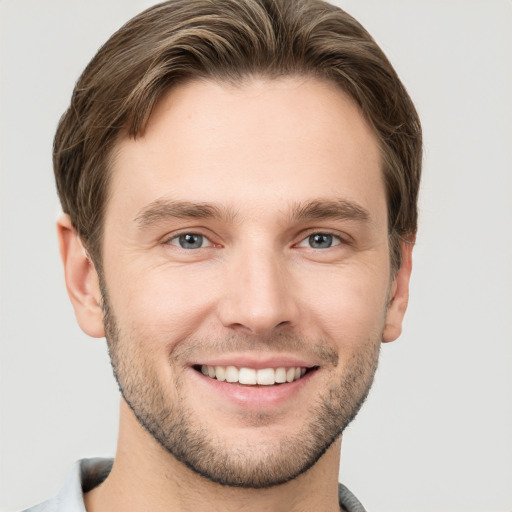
259	295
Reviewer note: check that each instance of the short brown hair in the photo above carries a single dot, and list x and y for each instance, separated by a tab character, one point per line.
229	40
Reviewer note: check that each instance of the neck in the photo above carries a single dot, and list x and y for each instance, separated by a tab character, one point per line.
146	477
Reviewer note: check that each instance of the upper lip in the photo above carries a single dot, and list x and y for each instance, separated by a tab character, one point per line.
255	361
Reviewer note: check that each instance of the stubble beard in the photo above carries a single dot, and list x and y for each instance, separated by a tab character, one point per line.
177	429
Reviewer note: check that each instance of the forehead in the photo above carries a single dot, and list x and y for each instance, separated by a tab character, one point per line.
256	145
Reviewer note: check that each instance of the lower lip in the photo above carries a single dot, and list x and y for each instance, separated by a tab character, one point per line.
252	397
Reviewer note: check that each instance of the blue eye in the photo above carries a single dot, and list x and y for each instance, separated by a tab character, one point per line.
321	241
190	241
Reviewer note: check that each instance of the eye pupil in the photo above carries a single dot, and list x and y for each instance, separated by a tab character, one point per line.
320	241
190	241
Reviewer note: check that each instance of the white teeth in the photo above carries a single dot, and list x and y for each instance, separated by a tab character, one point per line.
266	377
280	375
220	373
251	376
247	376
231	374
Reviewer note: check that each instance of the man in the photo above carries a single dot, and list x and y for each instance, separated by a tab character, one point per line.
239	182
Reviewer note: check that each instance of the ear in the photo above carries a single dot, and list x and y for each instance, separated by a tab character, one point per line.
399	295
82	280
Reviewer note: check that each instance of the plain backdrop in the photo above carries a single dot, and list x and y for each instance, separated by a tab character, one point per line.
436	432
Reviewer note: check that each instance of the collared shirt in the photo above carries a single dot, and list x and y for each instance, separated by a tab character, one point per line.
88	473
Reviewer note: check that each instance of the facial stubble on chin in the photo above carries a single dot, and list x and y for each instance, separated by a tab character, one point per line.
175	427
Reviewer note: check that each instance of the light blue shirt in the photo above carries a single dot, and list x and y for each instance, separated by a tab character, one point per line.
83	476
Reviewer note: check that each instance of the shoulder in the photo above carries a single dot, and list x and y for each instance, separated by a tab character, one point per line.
83	476
348	501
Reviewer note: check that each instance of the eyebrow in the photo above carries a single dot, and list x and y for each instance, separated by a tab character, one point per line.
339	209
320	209
164	209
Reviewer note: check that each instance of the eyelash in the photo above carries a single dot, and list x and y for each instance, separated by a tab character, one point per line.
335	237
176	237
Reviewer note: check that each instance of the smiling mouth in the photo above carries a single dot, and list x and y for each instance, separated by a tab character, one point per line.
252	376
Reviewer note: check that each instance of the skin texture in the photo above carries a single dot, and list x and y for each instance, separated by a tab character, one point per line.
268	163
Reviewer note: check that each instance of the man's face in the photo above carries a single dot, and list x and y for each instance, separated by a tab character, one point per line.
246	237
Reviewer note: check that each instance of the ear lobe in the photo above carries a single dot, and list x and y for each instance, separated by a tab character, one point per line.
399	296
82	280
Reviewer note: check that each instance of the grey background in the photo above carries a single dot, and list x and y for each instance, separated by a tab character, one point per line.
435	434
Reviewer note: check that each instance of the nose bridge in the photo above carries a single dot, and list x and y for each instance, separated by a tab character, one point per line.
258	296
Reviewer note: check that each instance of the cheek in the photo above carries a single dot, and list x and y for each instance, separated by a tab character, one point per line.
351	307
166	305
163	304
